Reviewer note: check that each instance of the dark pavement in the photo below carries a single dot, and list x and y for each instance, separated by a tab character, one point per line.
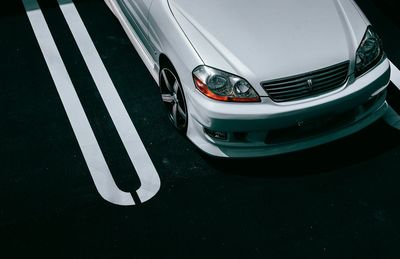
339	200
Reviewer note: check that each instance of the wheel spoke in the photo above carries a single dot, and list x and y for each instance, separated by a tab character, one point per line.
176	86
181	112
167	84
167	98
172	96
175	114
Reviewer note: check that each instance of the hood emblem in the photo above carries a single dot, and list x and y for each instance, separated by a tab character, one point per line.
310	84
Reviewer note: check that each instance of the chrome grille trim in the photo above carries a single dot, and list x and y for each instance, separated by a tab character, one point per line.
296	87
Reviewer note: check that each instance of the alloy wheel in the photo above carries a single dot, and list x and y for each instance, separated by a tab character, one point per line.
173	98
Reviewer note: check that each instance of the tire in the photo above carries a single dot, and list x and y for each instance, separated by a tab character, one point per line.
173	98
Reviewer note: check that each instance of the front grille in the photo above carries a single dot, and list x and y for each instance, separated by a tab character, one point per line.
308	84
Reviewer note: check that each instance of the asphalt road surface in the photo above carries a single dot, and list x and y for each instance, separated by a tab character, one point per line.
339	200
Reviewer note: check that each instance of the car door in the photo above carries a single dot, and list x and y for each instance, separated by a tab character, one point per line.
137	13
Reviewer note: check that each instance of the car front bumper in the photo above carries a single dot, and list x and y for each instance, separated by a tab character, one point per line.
268	128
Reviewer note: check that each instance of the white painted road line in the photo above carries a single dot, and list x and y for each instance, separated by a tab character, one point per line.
395	75
149	178
94	158
392	118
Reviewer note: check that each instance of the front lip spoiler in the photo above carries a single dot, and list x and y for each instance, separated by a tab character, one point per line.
278	149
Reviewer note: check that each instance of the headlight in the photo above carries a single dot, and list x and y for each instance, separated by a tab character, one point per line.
369	52
223	86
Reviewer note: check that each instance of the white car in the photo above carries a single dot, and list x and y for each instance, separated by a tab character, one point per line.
256	78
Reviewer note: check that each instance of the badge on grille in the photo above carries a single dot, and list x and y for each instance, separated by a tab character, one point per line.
310	84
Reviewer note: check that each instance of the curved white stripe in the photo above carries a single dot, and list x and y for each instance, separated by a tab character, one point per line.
94	158
395	75
150	181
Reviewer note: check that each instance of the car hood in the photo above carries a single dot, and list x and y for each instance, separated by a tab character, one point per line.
268	39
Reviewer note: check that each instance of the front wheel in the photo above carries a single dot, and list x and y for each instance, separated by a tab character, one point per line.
174	99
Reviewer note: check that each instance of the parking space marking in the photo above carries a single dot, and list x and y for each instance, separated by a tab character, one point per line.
88	144
148	176
395	75
391	117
